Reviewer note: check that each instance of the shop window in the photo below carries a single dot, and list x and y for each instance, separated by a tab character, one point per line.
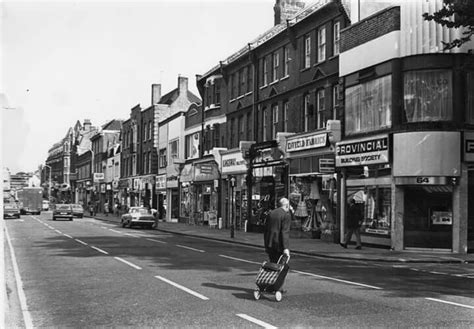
174	149
369	106
428	95
470	97
376	205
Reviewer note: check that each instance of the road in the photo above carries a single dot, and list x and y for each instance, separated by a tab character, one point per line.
89	273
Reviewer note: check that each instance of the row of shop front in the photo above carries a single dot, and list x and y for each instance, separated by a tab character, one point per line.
413	188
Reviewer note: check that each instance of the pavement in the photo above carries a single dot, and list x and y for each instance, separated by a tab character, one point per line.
305	246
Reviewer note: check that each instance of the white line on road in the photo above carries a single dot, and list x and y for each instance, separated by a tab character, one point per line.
128	263
59	231
339	280
67	235
19	285
189	291
256	321
451	303
194	249
157	241
115	231
135	236
85	244
100	250
239	259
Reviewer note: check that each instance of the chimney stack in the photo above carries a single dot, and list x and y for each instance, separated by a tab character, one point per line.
286	9
87	125
155	93
182	85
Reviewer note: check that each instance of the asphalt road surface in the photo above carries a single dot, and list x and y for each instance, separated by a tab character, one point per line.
88	273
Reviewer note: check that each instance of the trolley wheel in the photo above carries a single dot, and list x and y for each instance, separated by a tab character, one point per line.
278	296
256	294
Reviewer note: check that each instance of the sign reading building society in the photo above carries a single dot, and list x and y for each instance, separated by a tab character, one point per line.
306	142
362	152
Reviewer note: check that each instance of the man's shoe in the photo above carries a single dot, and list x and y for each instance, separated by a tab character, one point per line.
343	245
358	247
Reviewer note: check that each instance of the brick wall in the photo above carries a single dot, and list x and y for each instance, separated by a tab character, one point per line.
370	28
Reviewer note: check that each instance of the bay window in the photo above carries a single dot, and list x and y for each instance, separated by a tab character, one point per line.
369	106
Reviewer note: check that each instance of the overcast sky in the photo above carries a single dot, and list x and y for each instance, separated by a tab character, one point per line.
65	61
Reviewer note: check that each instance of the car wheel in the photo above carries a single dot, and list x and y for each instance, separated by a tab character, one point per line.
54	218
130	224
80	216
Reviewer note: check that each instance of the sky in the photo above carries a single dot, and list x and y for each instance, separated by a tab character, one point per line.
63	61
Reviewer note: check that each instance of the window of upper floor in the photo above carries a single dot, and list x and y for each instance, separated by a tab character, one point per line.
324	112
321	44
428	95
275	66
368	106
274	120
286	61
265	124
306	112
285	110
174	149
307	51
336	36
150	130
192	142
162	158
265	71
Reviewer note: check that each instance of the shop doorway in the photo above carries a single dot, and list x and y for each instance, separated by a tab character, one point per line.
428	218
174	203
470	212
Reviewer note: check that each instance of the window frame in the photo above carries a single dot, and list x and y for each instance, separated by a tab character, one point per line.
321	52
285	107
286	61
336	35
321	107
307	52
275	65
162	157
274	120
306	105
265	71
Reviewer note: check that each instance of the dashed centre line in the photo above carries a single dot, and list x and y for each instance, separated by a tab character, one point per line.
157	241
82	242
67	235
189	291
185	247
100	250
256	321
128	263
451	303
115	231
338	280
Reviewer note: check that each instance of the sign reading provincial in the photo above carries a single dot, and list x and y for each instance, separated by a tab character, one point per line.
363	152
307	142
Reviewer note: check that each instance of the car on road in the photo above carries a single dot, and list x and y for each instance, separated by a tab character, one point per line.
77	210
139	216
45	205
11	210
62	211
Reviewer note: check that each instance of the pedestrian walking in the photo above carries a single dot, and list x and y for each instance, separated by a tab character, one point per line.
106	208
277	231
354	221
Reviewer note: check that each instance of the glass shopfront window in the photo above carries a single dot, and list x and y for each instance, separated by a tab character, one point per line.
376	205
428	95
470	97
369	106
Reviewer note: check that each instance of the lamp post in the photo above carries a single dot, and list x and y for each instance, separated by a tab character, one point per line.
232	205
49	182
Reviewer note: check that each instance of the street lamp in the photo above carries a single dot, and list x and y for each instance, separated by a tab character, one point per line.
49	183
232	214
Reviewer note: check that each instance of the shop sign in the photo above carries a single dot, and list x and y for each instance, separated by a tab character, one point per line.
102	188
373	150
136	183
98	176
421	180
469	147
161	182
442	218
109	187
233	163
123	183
206	171
307	142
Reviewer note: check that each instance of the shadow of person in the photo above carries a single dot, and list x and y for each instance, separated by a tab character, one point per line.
243	293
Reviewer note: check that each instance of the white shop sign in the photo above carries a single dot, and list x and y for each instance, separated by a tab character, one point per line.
233	163
363	152
306	142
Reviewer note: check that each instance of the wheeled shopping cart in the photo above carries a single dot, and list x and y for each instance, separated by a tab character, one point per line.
271	277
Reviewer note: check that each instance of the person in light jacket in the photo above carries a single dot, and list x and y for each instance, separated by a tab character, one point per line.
277	231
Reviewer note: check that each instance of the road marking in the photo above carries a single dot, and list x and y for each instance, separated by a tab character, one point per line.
128	263
339	280
451	303
256	321
189	291
434	272
156	241
198	250
115	231
105	228
19	285
131	235
67	235
59	231
81	242
100	250
240	260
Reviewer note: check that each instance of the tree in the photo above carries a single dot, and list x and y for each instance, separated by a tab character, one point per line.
455	14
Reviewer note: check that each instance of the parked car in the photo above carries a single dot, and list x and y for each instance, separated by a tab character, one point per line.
45	205
139	216
77	210
62	211
11	210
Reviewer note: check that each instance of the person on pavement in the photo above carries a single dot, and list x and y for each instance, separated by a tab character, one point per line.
354	221
277	231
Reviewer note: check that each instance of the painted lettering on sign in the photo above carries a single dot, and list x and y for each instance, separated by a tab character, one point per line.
469	146
380	144
307	142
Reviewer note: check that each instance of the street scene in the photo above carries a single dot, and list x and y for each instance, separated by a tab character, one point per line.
268	163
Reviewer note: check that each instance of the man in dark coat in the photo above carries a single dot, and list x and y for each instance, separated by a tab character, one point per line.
277	231
354	221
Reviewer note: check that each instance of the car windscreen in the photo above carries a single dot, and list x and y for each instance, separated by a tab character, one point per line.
10	206
142	211
63	207
77	207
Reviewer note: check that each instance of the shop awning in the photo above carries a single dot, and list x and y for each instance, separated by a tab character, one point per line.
187	173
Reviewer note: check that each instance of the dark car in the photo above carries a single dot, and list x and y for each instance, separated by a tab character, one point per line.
77	210
62	211
11	210
139	216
